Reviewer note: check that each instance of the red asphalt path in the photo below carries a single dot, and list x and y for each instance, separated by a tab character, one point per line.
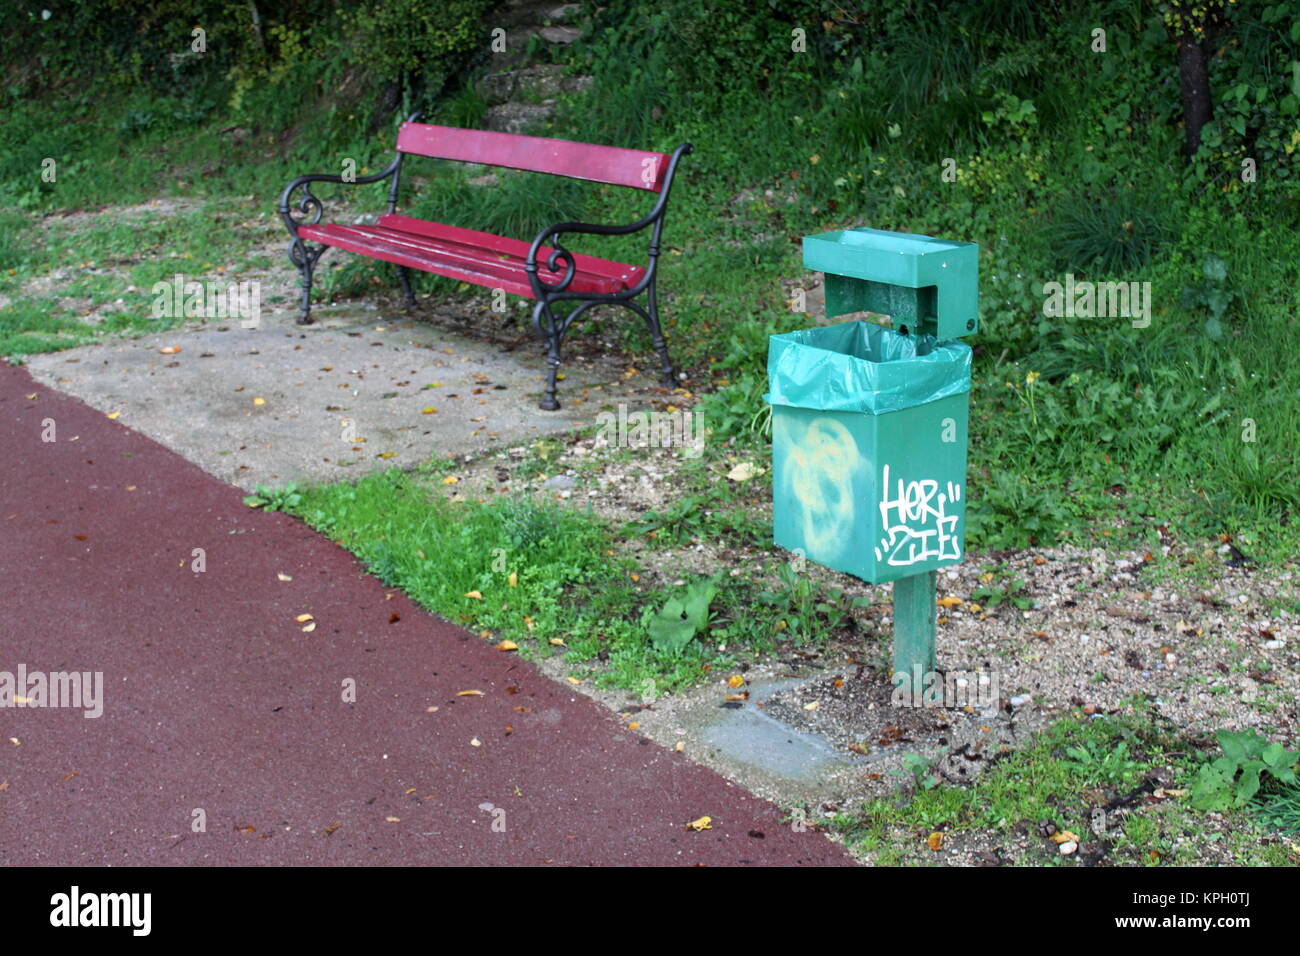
215	700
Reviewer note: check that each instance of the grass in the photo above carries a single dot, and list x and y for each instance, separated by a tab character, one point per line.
552	579
1058	776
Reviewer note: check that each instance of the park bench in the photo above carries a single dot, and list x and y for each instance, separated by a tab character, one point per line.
500	262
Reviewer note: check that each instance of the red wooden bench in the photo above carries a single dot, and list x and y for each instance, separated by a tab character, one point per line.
543	270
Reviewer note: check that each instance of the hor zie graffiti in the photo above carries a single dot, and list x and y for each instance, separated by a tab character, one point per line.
916	524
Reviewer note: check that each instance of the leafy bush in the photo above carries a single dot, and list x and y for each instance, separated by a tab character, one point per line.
1249	764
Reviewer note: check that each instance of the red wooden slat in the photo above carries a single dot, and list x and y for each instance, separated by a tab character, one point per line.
458	260
561	157
510	247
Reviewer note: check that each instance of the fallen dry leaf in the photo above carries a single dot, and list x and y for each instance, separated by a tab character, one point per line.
259	401
703	823
170	349
469	693
283	577
476	595
304	618
735	680
744	471
949	602
935	841
507	646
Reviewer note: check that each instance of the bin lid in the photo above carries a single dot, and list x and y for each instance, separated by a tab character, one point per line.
863	367
908	260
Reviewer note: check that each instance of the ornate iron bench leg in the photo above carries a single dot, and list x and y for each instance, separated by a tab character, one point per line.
404	277
667	376
304	258
553	332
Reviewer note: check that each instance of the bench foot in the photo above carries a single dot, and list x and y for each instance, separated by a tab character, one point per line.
304	259
549	404
408	296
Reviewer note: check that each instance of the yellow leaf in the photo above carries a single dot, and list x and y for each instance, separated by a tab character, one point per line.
812	705
513	579
393	819
633	726
469	693
744	471
935	841
450	480
735	680
949	602
387	454
259	401
1064	836
703	823
430	410
573	680
113	414
507	646
170	350
476	595
303	618
558	641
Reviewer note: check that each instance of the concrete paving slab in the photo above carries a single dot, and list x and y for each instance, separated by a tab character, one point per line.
358	390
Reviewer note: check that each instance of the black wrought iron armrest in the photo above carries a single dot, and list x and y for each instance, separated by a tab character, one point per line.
312	207
560	254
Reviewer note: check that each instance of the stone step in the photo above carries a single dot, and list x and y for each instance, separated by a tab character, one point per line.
518	117
530	84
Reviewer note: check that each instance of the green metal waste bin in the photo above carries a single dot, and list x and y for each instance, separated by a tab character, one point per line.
869	448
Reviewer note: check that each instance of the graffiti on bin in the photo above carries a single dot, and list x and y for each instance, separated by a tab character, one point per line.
819	469
916	524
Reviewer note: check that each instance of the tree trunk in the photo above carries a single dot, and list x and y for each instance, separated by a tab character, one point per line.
1194	77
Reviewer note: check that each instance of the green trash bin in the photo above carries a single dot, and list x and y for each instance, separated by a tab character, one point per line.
869	434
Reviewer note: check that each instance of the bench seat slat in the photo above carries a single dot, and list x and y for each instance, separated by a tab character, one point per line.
466	254
639	169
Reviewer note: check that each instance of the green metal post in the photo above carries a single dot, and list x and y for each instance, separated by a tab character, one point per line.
914	626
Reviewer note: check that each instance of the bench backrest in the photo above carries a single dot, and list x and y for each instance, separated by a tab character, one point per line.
639	169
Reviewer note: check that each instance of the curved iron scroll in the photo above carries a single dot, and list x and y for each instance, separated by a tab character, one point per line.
558	254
